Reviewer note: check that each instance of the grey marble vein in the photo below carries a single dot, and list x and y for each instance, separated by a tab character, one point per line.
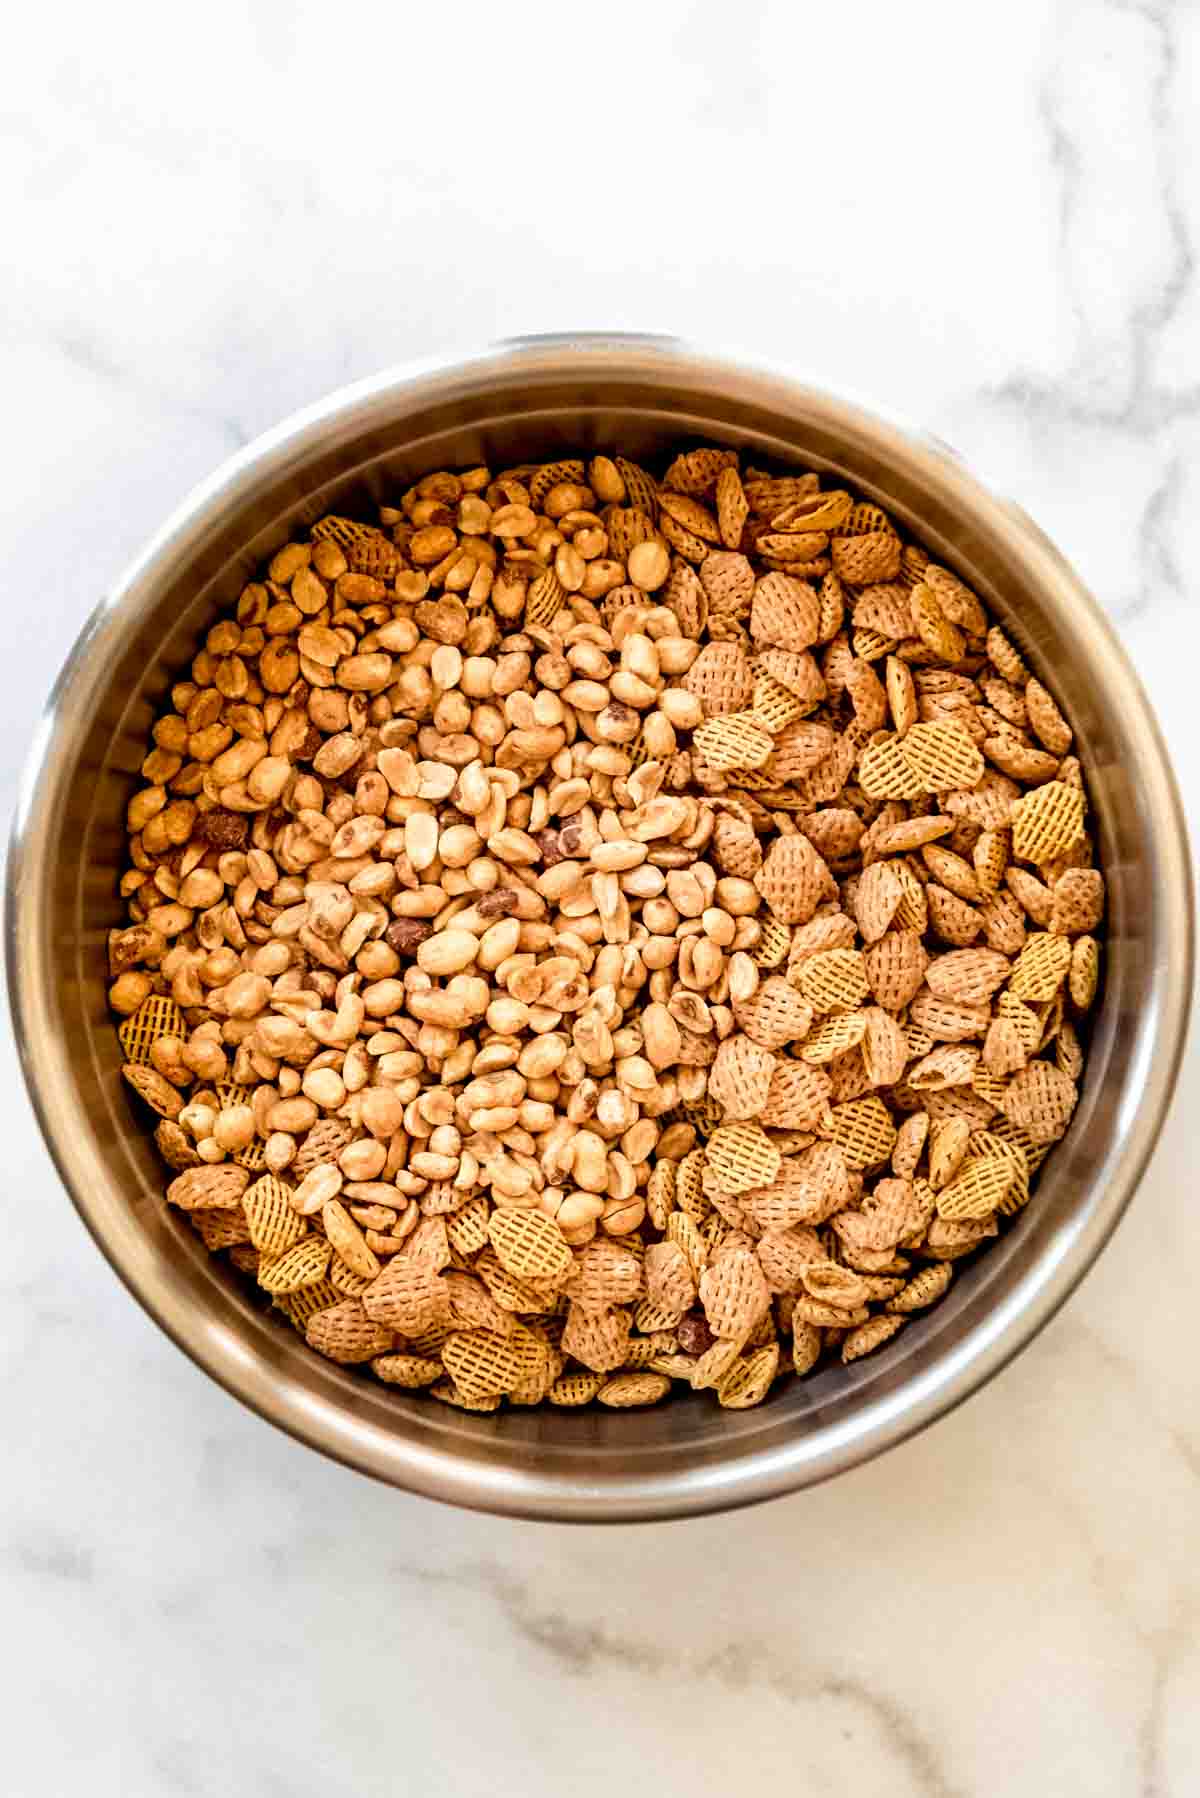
1147	405
1074	1332
1114	387
1067	165
83	350
1165	1647
41	1553
579	1645
1163	571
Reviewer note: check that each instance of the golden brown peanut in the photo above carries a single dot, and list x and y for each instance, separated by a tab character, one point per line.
292	1115
661	1037
447	952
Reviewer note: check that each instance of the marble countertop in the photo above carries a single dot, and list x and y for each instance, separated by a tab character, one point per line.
983	218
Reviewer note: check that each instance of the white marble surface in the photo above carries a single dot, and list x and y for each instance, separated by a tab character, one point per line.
983	217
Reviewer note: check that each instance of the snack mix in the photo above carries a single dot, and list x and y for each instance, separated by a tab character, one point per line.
591	931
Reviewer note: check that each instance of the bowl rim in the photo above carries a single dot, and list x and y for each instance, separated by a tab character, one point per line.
501	1487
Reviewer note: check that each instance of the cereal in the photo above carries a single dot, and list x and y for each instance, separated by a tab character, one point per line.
157	1017
409	1371
942	756
885	773
209	1188
793	879
1045	719
406	1295
590	933
484	1365
786	613
969	975
833	980
345	1333
1084	972
895	968
980	1189
869	1336
775	708
721	679
924	1289
735	740
627	1389
774	1014
1078	902
273	1223
529	1245
797	671
1040	1100
797	1098
302	1265
447	1393
740	1077
742	1156
864	1131
749	1379
1041	967
833	1036
598	1340
774	942
1047	822
877	899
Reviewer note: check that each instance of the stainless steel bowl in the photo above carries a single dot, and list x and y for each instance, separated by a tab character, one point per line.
533	398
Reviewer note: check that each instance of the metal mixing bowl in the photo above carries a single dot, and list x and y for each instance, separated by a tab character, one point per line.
534	398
